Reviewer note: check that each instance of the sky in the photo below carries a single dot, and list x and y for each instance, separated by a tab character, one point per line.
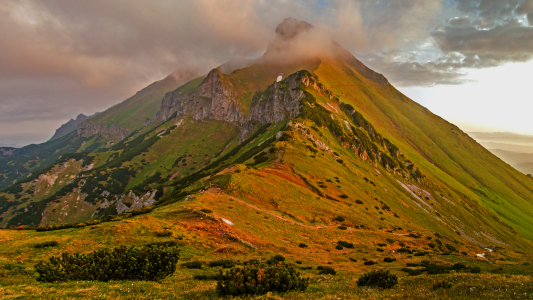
468	61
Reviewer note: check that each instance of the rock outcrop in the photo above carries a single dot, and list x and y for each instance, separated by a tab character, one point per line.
113	131
215	98
69	126
280	101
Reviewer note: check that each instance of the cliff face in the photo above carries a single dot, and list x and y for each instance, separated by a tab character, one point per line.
113	131
281	101
215	98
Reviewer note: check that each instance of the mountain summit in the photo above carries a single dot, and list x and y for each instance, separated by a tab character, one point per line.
331	165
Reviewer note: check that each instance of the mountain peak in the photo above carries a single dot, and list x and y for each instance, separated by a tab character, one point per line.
290	28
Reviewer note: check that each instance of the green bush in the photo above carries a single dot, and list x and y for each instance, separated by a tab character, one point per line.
122	263
344	196
379	278
192	265
342	227
389	260
339	219
46	244
275	259
352	259
260	279
345	244
382	245
475	270
369	263
339	247
224	263
206	210
327	271
458	266
359	201
302	245
441	285
413	272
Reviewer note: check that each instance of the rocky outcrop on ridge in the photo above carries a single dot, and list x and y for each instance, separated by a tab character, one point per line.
113	131
215	98
69	126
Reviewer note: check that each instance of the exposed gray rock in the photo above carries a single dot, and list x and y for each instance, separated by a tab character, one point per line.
69	126
113	131
215	98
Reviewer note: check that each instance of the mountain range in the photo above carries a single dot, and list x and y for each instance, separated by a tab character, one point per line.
245	163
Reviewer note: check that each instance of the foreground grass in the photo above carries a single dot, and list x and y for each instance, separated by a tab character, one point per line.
341	286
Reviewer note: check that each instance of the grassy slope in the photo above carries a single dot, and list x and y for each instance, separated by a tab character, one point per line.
133	112
441	148
277	205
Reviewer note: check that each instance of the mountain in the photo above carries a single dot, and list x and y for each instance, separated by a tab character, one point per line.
241	164
69	126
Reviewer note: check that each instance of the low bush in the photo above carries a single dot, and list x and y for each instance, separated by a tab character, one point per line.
389	260
352	259
163	244
302	245
206	210
122	263
46	244
380	250
458	266
204	277
259	280
327	271
475	270
359	201
342	227
164	233
344	196
369	263
413	272
339	247
382	245
441	285
378	278
192	265
345	244
224	263
339	219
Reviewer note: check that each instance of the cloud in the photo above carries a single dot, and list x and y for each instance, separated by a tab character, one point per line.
60	58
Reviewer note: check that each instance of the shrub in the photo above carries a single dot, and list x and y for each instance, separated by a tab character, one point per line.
441	285
122	263
302	245
359	201
382	245
163	244
206	210
224	263
379	278
46	244
339	247
258	280
51	227
475	270
352	259
327	271
413	272
275	259
380	250
342	227
339	219
369	263
164	233
458	266
389	260
344	196
204	277
192	265
402	244
345	244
